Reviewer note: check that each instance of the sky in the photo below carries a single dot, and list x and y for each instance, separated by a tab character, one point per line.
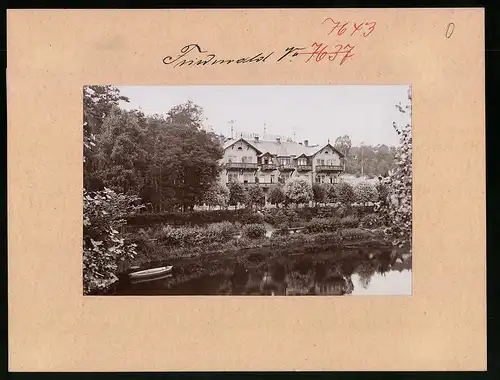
314	113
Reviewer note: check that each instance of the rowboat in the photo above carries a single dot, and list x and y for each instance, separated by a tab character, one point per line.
151	272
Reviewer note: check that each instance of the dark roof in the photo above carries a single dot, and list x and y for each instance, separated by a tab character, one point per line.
283	148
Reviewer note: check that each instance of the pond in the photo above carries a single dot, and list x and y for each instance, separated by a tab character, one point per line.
360	271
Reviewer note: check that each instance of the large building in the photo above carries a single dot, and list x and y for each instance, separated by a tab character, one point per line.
266	163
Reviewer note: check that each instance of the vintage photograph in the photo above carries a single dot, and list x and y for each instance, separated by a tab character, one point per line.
247	190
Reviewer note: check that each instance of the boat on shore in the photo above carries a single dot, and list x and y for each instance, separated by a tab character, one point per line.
151	272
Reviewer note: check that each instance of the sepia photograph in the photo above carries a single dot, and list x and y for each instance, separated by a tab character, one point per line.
276	190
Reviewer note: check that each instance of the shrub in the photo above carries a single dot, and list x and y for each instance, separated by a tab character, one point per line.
254	231
220	232
355	234
349	221
193	236
298	191
236	193
371	221
281	231
319	193
365	192
104	246
321	225
255	196
341	211
187	218
399	184
251	218
217	195
330	193
178	236
326	237
344	193
276	195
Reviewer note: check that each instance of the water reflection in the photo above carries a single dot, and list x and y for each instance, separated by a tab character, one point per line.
260	273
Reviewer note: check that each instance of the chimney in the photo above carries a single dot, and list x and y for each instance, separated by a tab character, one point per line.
256	138
278	140
306	142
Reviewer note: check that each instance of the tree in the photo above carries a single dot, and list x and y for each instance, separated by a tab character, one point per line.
188	115
319	193
255	196
298	191
365	192
343	144
121	155
398	211
236	193
330	190
97	104
344	193
217	195
185	157
276	195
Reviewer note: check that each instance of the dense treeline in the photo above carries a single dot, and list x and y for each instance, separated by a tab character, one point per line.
168	161
367	160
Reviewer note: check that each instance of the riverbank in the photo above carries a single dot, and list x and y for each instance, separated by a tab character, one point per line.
265	270
154	250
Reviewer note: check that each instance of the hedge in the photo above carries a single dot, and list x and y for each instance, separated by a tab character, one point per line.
194	217
275	216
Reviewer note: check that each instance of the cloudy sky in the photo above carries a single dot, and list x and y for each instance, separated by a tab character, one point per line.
315	113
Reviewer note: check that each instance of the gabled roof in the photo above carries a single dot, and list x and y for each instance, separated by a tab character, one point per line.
282	149
332	148
230	143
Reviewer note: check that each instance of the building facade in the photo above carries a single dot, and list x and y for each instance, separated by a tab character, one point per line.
267	163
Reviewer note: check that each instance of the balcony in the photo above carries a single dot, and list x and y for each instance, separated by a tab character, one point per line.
268	167
329	168
304	168
286	167
242	165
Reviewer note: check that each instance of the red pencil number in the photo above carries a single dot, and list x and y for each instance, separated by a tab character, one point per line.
322	52
366	28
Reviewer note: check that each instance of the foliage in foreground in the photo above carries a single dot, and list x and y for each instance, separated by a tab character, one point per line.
396	208
104	244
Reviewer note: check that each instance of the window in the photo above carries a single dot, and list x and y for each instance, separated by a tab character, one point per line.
285	161
330	162
320	178
232	177
326	152
320	162
243	159
231	159
240	148
302	161
272	178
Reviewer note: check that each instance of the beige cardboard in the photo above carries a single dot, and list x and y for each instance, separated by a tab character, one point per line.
53	327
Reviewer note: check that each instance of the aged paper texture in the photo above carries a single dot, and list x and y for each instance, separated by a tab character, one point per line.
52	327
